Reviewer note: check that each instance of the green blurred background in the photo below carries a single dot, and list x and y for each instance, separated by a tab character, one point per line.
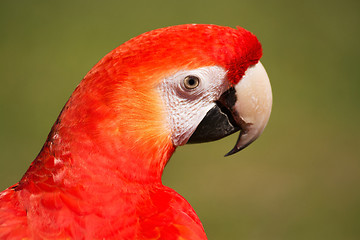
300	180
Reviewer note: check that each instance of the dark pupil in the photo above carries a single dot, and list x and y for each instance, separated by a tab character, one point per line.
191	81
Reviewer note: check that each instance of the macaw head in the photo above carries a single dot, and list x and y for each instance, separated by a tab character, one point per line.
171	86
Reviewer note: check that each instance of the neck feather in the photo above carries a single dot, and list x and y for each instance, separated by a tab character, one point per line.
95	143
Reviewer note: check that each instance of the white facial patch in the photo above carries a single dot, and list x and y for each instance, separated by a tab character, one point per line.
186	107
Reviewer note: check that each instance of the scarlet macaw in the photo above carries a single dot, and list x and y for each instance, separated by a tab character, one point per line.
98	175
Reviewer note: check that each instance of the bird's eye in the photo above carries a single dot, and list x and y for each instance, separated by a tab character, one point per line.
191	82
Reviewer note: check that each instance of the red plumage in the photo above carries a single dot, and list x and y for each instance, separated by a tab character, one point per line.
98	175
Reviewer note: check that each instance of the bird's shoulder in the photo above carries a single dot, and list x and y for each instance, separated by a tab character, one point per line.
13	222
169	217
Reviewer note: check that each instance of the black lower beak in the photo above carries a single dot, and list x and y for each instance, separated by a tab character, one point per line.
218	122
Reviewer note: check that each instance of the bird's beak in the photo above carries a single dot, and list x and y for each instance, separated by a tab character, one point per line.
245	107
